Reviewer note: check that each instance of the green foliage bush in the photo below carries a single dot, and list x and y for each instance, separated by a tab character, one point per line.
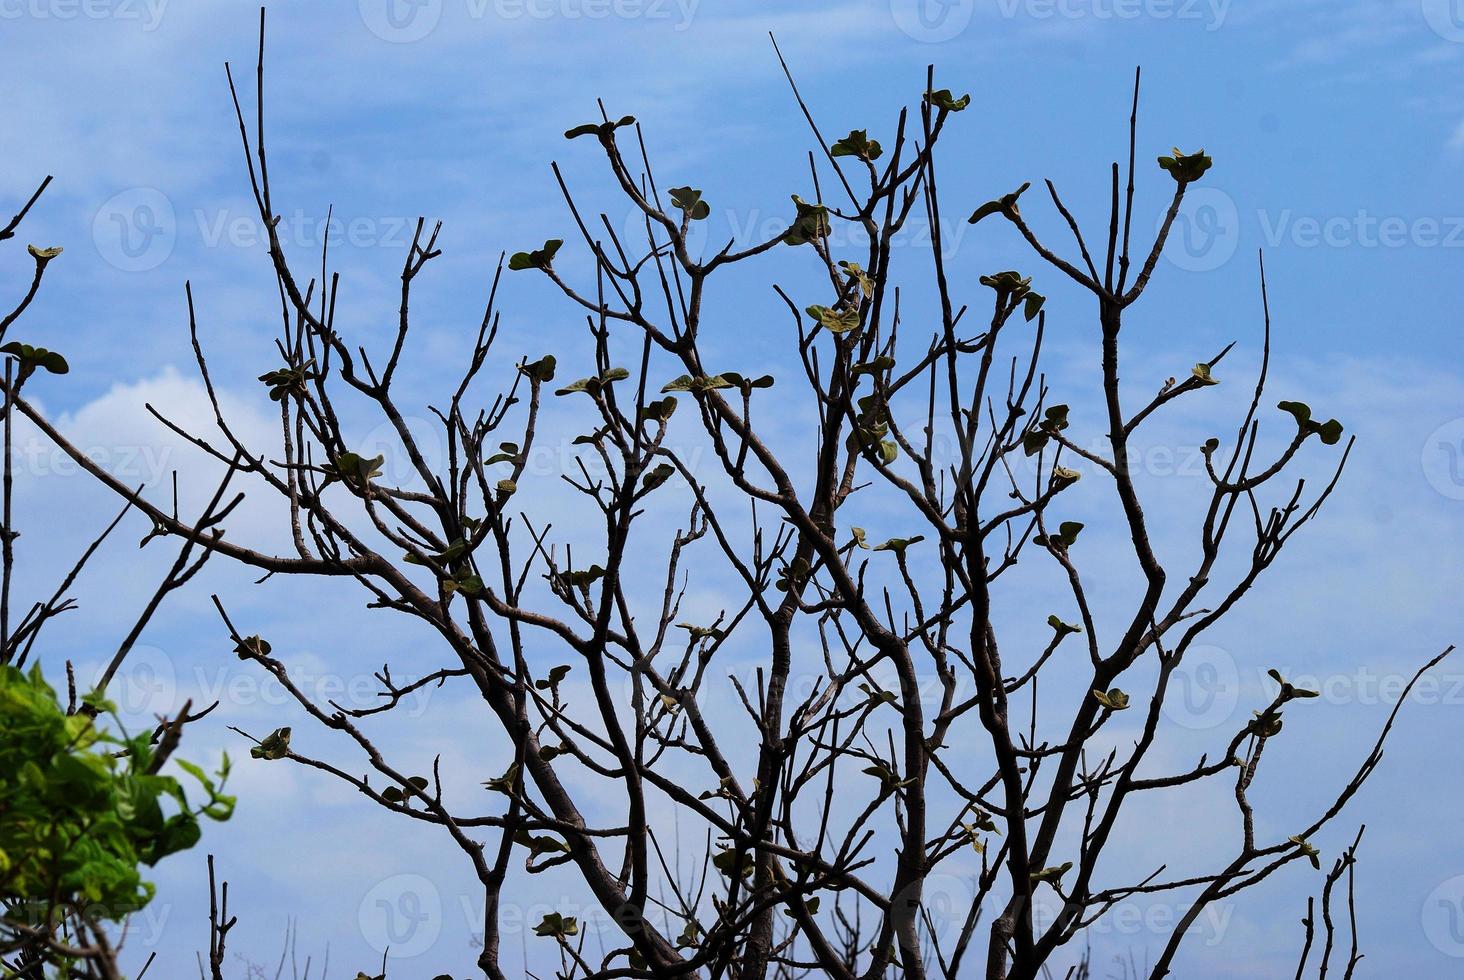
82	809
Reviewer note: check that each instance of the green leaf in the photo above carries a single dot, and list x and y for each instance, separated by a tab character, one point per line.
700	632
1201	373
688	199
856	272
1006	204
1067	536
898	545
1312	854
508	453
1033	305
354	468
1185	169
43	255
251	647
507	487
557	926
447	556
1062	628
659	411
657	476
1265	723
593	386
1113	699
603	129
287	380
539	258
1330	431
725	861
592	438
1299	411
812	222
857	144
583	579
835	321
942	99
540	845
1052	876
1063	477
555	677
465	582
735	380
503	784
1290	691
687	383
1054	419
1008	284
792	575
274	747
879	365
31	358
540	370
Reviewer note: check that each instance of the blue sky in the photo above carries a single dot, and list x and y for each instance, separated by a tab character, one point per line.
1337	131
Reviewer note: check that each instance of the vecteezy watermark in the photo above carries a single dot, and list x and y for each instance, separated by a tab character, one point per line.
1136	918
145	924
149	683
932	21
1205	231
148	13
136	229
1211	12
1369	688
1446	18
401	21
1443	459
401	916
1208	227
1359	229
1442	917
222	228
1204	689
145	684
134	463
404	21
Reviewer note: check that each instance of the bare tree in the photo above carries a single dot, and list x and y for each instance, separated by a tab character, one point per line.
826	809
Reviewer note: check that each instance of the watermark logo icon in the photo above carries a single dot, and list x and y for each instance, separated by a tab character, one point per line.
136	229
397	467
144	686
1443	459
932	21
1445	18
1442	917
1205	232
401	21
1204	689
401	916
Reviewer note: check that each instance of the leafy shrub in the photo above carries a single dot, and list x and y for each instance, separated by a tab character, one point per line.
83	809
